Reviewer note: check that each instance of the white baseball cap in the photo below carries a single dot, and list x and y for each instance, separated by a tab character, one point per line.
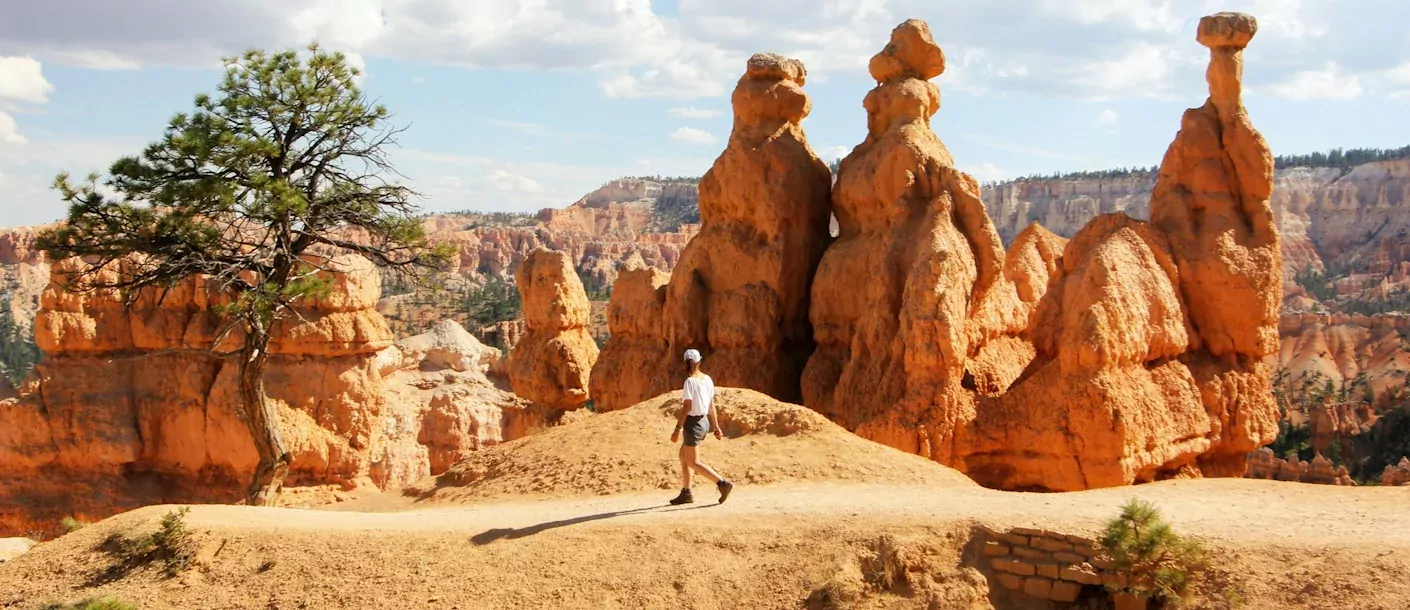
692	355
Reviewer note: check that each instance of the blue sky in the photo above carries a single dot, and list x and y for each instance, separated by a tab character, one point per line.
524	104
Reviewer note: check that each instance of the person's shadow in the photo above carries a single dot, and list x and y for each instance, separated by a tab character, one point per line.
502	533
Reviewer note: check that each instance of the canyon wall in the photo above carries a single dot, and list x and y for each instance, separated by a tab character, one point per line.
650	219
625	216
1356	219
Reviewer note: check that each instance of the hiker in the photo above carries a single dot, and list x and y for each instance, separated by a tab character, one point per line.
697	417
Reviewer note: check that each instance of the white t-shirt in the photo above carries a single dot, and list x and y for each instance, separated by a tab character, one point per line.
700	391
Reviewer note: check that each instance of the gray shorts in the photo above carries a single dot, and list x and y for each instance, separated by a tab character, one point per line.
696	427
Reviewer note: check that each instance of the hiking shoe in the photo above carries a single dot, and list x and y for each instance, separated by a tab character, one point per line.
685	498
725	487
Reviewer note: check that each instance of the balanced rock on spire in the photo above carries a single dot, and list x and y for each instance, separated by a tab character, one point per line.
1149	344
892	299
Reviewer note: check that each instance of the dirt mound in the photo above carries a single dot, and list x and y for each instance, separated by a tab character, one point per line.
765	442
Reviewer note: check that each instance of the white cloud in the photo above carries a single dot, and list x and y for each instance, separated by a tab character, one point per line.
691	112
1328	83
1107	118
985	172
532	129
1083	49
8	131
96	59
1400	74
828	153
691	135
1145	70
30	169
505	181
454	182
1400	77
22	80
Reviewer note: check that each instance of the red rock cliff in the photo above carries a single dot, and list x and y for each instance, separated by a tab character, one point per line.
127	409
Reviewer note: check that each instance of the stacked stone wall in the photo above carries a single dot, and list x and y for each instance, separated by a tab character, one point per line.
1048	565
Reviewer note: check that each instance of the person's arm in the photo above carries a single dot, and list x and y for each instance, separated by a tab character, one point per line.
715	422
681	414
680	419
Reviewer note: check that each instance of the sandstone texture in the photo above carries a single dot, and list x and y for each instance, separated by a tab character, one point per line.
551	364
740	293
129	407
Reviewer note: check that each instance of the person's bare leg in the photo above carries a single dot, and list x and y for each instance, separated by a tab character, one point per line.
687	463
705	470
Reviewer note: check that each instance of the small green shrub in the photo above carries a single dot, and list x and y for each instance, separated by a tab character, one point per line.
70	524
172	545
1158	563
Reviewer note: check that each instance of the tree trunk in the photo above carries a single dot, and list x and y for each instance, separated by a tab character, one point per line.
262	420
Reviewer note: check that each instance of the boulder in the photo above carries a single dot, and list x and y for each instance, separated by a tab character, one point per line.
11	548
552	362
446	345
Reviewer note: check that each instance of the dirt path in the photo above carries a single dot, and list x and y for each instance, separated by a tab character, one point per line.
1289	545
1229	509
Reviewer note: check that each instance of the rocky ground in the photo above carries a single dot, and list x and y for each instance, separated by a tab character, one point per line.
589	528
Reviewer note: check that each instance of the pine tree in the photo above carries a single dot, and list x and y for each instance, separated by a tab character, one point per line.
253	189
1158	562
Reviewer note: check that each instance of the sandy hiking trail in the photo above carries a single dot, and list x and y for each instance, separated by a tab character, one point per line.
1285	545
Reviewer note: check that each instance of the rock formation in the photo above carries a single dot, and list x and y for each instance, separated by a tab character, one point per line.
1342	349
623	375
552	361
1262	464
1212	200
740	292
651	219
128	409
1398	474
893	297
11	548
1101	361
